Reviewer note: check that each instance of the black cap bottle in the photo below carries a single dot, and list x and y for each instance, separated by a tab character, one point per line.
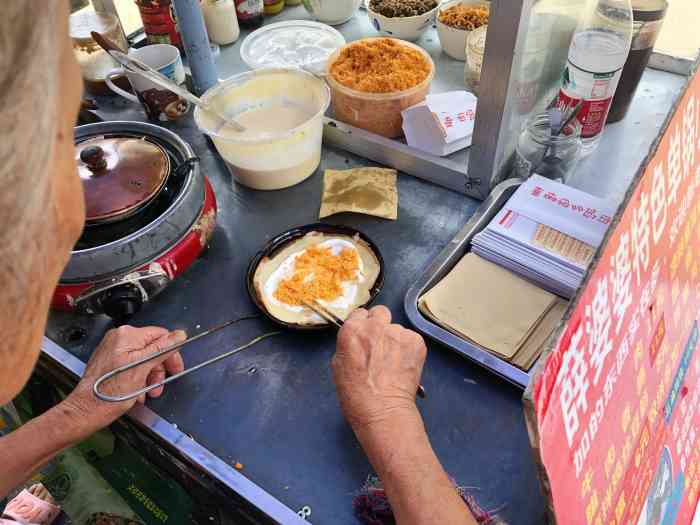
250	13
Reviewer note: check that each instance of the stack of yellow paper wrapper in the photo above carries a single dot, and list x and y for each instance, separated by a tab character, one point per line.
494	309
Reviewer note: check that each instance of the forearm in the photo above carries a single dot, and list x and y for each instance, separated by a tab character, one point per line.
419	490
28	448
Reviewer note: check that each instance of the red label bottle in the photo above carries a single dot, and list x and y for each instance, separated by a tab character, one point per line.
250	13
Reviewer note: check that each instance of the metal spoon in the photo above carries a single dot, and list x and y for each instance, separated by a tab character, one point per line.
555	132
136	66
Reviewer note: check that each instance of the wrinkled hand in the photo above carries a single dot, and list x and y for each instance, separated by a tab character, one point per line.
377	367
119	347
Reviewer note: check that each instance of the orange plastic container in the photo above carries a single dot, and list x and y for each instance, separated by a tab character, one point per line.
379	113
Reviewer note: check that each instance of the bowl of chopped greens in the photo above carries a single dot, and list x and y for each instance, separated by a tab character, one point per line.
405	19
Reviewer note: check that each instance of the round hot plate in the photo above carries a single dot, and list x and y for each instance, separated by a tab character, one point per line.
110	248
121	263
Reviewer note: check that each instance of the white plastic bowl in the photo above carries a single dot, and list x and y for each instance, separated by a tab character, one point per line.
404	27
273	160
452	39
294	43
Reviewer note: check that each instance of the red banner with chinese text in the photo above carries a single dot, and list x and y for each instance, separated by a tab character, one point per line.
618	402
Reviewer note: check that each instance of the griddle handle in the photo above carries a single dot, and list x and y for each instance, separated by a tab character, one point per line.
185	167
170	349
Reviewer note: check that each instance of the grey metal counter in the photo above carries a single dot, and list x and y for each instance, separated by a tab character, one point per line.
449	76
606	174
273	408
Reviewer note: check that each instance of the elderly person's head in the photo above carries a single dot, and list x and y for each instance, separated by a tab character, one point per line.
41	199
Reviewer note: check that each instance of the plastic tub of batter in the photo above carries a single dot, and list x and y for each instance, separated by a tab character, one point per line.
376	112
282	110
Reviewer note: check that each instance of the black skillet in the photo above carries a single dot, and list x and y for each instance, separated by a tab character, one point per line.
283	240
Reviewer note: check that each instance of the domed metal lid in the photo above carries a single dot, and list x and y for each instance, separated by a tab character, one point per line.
119	175
111	249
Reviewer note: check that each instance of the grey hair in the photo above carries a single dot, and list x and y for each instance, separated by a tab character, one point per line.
29	72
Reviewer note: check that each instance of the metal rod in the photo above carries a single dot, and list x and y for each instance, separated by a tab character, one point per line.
198	458
138	67
137	393
161	353
196	43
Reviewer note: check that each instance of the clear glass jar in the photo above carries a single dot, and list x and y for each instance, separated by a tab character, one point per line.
476	45
540	151
94	61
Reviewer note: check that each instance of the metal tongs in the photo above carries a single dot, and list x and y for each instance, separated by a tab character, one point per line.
327	315
134	65
170	349
318	308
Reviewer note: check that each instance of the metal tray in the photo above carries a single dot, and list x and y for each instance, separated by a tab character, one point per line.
441	266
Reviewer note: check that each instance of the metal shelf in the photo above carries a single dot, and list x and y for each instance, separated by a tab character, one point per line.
449	172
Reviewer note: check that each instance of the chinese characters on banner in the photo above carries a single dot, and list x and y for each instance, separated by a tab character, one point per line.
617	405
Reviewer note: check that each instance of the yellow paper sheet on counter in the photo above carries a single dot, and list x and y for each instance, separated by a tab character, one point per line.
531	350
371	191
488	305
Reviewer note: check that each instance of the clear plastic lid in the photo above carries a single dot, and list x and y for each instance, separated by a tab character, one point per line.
296	43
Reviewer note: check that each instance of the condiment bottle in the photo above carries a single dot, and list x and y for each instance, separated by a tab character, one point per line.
476	45
221	21
648	19
272	7
159	22
597	54
250	13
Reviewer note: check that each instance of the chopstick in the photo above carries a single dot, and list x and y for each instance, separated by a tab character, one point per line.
325	313
330	317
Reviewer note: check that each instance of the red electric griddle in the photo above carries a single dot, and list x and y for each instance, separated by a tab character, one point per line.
149	214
